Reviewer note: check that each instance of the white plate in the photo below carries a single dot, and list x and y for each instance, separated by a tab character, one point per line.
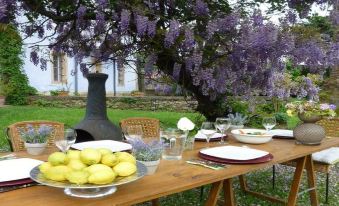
201	136
234	153
281	132
16	169
115	146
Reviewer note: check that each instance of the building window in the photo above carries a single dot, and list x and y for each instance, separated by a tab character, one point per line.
59	67
121	75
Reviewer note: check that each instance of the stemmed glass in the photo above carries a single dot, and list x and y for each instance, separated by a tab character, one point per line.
68	140
208	129
269	123
222	125
133	131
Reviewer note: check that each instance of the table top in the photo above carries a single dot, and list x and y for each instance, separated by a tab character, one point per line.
171	177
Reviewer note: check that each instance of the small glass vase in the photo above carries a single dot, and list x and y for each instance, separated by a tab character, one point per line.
189	144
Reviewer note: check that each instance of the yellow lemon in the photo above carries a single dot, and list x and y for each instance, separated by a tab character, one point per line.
126	157
44	167
77	177
125	169
90	156
76	164
97	168
102	177
73	154
109	160
104	151
57	173
57	158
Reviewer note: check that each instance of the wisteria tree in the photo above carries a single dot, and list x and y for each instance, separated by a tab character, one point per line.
214	49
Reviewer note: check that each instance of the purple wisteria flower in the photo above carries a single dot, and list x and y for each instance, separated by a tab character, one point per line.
200	8
34	57
3	9
189	39
125	18
152	28
173	33
142	23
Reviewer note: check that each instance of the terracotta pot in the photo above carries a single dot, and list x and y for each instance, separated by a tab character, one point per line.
63	93
36	148
151	166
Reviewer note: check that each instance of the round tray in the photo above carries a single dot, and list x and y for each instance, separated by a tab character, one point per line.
88	190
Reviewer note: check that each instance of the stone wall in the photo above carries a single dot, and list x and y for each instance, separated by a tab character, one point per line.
161	103
332	86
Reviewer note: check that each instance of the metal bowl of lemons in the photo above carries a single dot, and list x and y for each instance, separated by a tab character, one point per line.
89	173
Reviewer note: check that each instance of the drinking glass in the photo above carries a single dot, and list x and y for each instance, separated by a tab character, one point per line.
269	123
68	139
133	131
208	129
222	125
174	143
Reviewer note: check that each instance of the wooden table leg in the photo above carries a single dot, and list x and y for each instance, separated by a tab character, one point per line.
228	192
311	180
213	195
292	198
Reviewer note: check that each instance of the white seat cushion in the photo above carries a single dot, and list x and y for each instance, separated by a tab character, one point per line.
328	156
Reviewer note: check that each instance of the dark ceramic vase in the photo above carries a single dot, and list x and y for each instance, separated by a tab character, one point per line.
309	133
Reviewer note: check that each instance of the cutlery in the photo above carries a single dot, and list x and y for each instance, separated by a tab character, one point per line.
208	164
10	188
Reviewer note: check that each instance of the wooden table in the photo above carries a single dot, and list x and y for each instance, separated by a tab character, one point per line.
177	176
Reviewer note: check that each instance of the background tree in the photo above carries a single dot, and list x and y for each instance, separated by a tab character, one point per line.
13	81
214	49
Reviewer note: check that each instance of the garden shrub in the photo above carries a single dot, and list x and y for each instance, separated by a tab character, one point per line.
13	80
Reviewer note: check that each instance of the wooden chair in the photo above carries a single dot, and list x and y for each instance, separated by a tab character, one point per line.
14	136
331	127
150	126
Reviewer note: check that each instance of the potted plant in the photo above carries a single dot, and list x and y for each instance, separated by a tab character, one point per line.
35	138
310	112
237	120
148	153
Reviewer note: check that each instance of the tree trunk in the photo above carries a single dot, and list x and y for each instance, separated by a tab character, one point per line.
211	109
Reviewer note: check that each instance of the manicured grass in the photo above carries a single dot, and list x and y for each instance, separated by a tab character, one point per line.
72	116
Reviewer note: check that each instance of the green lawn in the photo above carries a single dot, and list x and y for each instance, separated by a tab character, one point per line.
72	116
259	181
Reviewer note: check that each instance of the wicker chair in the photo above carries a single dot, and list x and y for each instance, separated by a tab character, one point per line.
331	127
150	126
17	144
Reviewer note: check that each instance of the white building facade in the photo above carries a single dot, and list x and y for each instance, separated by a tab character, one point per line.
63	72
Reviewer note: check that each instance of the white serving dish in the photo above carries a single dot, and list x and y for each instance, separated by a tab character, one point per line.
242	136
115	146
201	136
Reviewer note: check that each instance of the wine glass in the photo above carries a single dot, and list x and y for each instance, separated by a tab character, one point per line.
269	123
68	139
133	131
222	125
208	129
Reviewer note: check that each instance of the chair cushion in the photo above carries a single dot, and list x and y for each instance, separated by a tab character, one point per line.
328	156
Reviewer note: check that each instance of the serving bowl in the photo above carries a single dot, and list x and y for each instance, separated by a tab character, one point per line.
252	136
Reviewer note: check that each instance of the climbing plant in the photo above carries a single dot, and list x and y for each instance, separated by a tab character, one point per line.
13	80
